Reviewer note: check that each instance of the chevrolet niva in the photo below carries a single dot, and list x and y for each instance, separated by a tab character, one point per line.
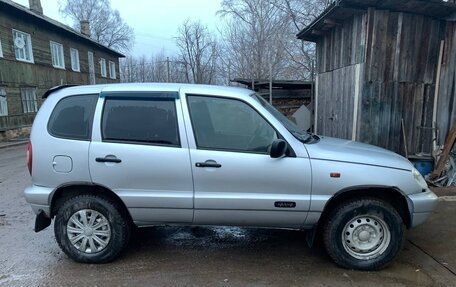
107	158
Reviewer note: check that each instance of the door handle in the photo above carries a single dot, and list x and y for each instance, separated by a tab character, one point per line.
208	163
108	159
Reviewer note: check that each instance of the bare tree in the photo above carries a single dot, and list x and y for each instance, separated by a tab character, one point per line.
153	69
259	36
106	25
198	52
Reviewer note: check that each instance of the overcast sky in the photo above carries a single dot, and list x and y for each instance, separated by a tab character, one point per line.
155	22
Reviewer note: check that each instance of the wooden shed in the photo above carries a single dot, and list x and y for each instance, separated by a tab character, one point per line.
380	63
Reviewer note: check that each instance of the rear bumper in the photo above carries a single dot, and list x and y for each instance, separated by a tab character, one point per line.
38	198
423	204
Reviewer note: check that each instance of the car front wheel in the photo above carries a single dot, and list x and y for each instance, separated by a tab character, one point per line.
364	234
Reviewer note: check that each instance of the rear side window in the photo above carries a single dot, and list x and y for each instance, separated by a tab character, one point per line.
141	120
72	117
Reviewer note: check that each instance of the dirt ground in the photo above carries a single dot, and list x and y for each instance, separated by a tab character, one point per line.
216	256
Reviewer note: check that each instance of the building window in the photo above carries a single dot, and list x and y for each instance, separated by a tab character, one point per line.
1	50
103	67
112	70
74	54
3	103
28	96
57	55
22	46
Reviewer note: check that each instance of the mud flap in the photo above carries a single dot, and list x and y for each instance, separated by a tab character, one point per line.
310	236
42	221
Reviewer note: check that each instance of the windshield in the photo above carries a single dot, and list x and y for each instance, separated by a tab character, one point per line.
289	125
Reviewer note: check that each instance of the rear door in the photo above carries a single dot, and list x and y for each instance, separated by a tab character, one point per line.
139	150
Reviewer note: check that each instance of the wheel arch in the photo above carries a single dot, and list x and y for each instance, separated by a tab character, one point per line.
60	194
391	194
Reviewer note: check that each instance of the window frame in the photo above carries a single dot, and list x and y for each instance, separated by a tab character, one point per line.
141	97
23	91
3	94
60	51
28	46
290	152
1	49
73	60
92	117
103	69
112	72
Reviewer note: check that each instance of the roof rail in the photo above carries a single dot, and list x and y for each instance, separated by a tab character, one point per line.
55	89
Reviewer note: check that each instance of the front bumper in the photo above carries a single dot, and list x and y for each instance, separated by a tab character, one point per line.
422	205
39	198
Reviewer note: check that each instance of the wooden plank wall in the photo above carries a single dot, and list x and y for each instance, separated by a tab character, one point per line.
398	55
336	94
338	53
446	108
399	80
342	46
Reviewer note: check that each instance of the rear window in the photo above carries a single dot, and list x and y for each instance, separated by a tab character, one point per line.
141	120
72	117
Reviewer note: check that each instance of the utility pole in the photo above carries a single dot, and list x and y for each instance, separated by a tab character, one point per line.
167	65
229	72
270	82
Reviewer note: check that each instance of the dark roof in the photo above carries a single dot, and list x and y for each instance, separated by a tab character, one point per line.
340	10
8	4
284	84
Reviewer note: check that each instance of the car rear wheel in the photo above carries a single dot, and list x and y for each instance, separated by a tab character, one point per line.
364	234
91	229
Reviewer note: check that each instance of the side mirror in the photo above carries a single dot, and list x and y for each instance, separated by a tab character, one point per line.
278	148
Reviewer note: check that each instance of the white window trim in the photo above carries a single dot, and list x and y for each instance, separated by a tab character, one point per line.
112	73
103	68
29	47
3	102
75	60
1	50
60	47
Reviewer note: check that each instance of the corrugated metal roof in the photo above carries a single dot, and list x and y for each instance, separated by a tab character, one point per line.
64	28
340	10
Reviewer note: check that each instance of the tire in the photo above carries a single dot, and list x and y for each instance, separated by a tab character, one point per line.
364	234
111	238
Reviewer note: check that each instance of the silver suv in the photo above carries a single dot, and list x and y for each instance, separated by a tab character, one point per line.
107	158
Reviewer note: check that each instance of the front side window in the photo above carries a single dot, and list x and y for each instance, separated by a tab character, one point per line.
1	50
28	97
22	46
74	54
140	120
289	125
112	70
229	124
103	67
3	103
72	117
57	55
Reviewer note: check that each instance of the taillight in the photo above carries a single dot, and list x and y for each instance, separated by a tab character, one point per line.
29	157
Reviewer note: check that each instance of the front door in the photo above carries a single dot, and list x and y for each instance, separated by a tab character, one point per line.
236	182
139	152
